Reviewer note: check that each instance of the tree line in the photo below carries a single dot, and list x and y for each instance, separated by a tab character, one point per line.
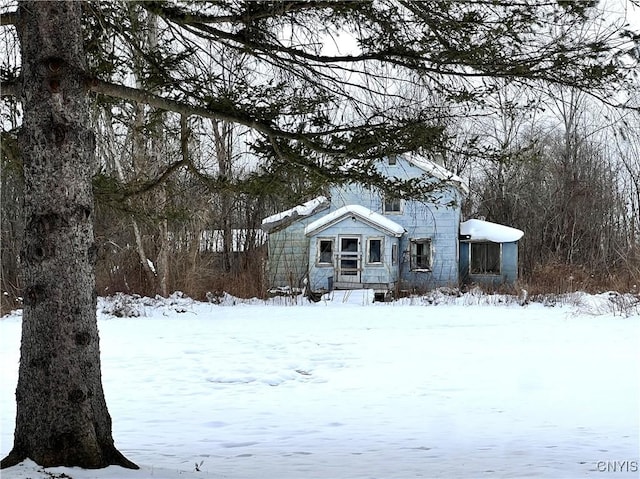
179	203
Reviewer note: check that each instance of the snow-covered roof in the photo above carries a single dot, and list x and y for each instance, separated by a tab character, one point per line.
479	230
438	171
292	214
364	214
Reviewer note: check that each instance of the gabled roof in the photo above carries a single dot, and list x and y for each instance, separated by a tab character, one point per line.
478	230
287	217
360	212
438	171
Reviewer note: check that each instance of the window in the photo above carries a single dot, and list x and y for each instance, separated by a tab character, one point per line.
392	205
374	251
485	258
393	160
394	253
421	254
325	251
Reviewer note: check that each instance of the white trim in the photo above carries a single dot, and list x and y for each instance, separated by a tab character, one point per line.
365	215
412	254
319	240
368	252
400	209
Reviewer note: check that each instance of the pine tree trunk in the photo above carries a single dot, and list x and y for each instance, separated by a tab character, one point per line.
62	416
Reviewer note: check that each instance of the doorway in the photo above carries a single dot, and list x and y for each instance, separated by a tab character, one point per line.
349	259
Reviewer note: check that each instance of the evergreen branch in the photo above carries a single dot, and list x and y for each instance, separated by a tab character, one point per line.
106	187
156	101
159	180
212	111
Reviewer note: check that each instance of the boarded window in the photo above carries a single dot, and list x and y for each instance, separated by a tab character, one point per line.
325	251
421	254
374	251
485	258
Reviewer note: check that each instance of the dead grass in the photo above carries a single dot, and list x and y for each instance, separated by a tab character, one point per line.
558	278
201	276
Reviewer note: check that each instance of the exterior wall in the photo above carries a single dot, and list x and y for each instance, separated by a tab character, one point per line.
441	225
431	219
510	262
508	266
384	273
291	254
288	256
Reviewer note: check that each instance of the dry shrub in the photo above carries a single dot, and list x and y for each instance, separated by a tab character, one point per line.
195	274
201	273
557	278
119	270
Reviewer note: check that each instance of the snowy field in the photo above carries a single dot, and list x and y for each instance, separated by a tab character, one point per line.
348	389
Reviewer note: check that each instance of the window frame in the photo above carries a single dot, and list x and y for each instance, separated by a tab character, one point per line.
387	199
484	270
319	250
413	254
368	257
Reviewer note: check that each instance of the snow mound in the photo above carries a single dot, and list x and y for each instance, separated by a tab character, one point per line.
122	305
479	230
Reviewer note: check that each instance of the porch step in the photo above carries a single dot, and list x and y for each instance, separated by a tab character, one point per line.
378	287
351	296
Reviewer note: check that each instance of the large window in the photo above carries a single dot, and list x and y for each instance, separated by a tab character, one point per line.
325	251
392	205
374	250
485	258
421	254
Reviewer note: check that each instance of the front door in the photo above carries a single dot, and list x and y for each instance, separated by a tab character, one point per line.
349	259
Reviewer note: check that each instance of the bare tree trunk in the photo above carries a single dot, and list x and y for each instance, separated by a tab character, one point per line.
156	148
222	133
147	160
140	165
62	416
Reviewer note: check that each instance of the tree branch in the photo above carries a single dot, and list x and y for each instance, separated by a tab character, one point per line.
254	12
155	101
154	182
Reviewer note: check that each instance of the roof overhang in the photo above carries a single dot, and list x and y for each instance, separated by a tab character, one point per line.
356	212
439	172
285	218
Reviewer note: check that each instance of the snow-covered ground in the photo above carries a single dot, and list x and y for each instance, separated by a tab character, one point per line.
349	389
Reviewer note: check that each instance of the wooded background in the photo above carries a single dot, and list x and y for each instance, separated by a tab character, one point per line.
179	200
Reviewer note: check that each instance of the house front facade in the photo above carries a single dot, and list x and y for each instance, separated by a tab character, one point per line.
358	237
